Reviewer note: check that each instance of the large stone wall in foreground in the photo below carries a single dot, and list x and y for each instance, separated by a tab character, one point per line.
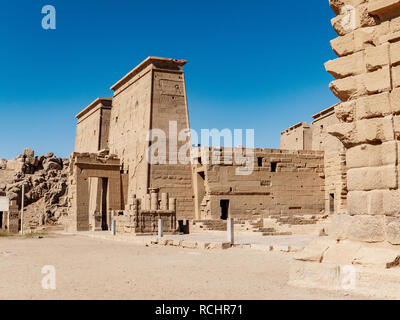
367	74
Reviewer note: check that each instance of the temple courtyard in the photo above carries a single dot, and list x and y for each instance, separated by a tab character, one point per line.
98	268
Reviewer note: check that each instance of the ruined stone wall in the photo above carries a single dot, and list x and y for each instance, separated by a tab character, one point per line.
142	217
334	160
368	84
296	186
297	137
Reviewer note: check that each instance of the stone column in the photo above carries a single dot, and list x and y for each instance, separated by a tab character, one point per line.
172	204
153	199
164	201
147	202
368	85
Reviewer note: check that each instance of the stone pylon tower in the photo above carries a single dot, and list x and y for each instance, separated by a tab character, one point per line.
152	97
368	84
110	168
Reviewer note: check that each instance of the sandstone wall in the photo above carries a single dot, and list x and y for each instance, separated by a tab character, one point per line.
367	73
129	125
316	137
296	186
84	189
93	126
297	137
169	104
149	97
334	160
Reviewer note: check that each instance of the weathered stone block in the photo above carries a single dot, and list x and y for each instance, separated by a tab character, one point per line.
378	257
377	105
345	88
366	228
377	81
345	111
378	7
364	37
365	202
346	66
368	155
395	50
344	45
372	178
396	125
338	5
396	76
341	252
338	25
377	57
314	251
374	130
395	100
391	202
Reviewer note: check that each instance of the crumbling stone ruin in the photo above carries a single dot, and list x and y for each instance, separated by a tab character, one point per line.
367	72
143	218
365	236
45	182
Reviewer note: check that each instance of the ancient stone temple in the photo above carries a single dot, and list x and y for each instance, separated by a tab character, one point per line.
111	177
112	145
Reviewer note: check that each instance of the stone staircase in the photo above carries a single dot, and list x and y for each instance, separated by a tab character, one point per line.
279	225
208	225
296	220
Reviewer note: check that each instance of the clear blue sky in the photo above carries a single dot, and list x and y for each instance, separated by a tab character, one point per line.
251	64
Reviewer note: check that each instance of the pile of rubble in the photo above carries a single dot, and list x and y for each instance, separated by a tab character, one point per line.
45	185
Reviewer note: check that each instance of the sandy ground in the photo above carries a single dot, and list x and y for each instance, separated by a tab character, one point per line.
89	268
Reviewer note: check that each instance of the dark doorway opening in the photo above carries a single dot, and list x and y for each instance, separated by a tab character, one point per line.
224	204
104	187
1	219
273	166
260	162
201	192
332	203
